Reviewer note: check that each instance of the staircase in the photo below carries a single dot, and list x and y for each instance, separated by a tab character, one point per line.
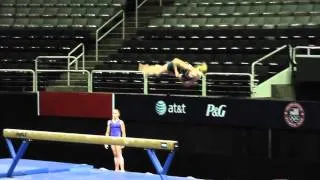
107	46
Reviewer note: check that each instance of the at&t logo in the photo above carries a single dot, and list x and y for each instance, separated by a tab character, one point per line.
162	108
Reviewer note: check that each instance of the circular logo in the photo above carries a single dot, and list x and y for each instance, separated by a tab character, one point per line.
294	115
161	108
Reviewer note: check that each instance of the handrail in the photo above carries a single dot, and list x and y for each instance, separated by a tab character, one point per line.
145	86
253	65
204	80
98	39
82	54
308	48
55	57
34	89
61	70
139	5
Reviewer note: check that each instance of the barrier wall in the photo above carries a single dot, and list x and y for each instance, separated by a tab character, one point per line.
70	104
220	111
230	135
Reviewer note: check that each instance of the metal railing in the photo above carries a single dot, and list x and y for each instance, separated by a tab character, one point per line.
253	65
75	60
145	78
307	54
99	38
34	85
75	71
54	57
137	9
204	80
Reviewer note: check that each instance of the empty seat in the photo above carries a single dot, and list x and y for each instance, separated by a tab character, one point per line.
7	11
36	3
212	10
64	11
79	23
315	9
285	21
183	22
227	10
22	11
106	12
212	22
22	3
8	2
50	11
78	12
63	3
104	3
158	22
304	9
50	22
227	21
6	22
36	12
197	11
314	21
272	9
49	3
35	22
183	10
300	21
90	2
242	10
116	2
198	22
77	3
94	23
257	9
64	22
288	9
92	11
169	11
21	22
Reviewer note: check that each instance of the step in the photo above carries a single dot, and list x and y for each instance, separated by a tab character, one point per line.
62	82
103	52
67	89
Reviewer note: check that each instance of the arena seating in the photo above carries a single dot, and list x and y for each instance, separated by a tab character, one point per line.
31	28
228	35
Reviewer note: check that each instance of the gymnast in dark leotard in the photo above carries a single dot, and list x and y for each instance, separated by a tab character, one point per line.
177	67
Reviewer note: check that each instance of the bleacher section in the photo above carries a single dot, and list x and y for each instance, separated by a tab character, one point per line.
228	35
31	28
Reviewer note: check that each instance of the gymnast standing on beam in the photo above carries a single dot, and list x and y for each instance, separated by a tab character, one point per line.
116	128
186	73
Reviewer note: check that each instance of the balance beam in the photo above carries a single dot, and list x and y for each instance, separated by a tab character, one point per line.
90	139
148	144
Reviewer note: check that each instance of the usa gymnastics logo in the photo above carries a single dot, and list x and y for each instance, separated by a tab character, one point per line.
161	108
294	115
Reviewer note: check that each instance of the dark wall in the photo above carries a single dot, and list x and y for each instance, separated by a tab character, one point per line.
207	151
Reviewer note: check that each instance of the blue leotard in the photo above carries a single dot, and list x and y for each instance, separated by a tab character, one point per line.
115	128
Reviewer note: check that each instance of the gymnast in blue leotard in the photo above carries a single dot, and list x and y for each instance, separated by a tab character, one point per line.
116	128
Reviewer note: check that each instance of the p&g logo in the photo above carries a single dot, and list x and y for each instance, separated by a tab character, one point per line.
216	111
161	108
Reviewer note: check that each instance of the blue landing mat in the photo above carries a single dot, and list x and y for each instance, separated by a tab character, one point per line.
48	170
26	166
95	174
